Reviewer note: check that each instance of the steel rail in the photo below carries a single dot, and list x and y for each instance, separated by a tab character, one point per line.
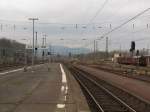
120	74
130	109
138	103
98	105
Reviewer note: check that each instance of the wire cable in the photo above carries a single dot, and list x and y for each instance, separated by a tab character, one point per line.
99	10
96	14
116	28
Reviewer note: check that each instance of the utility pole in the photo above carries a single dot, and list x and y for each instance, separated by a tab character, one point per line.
45	40
36	39
50	53
120	48
94	54
14	27
107	47
76	26
1	27
44	46
33	20
36	47
94	47
25	55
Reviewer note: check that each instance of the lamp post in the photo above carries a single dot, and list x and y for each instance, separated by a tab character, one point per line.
33	20
25	58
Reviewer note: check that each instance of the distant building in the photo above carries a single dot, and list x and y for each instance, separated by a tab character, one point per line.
116	55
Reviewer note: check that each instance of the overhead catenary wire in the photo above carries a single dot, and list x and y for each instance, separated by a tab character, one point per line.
99	10
116	28
96	14
132	32
92	19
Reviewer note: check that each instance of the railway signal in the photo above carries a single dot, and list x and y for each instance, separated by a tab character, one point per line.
132	49
133	45
137	53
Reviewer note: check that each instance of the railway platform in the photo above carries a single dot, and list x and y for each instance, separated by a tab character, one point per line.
46	88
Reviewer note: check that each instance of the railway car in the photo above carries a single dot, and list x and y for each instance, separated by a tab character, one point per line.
140	60
128	60
143	61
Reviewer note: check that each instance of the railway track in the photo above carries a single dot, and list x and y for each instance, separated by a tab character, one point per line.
122	73
104	97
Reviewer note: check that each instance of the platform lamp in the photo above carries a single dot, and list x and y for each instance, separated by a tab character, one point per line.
33	20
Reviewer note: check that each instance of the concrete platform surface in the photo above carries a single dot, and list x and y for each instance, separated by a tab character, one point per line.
44	90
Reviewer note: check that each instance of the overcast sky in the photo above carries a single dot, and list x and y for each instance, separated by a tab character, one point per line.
57	19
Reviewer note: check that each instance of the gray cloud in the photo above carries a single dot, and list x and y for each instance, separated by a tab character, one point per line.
71	12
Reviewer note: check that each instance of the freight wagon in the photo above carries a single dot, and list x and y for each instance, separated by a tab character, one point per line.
137	60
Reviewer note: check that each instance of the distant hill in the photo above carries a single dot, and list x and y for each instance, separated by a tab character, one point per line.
66	50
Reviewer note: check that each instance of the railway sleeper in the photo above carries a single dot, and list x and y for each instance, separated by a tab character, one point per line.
109	106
